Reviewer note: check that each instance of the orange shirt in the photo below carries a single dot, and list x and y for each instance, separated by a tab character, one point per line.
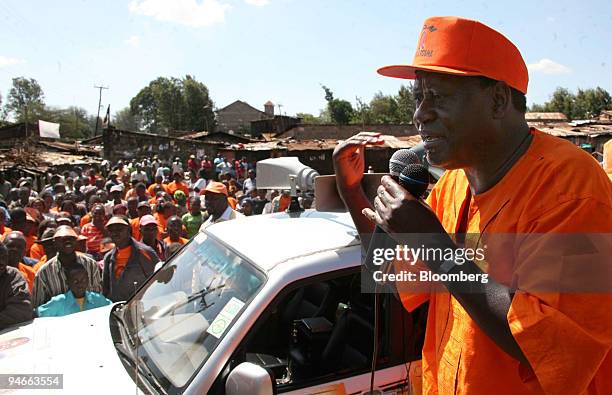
607	158
121	259
42	261
135	225
37	251
181	240
232	202
566	337
151	188
161	223
4	230
85	219
29	243
177	186
28	273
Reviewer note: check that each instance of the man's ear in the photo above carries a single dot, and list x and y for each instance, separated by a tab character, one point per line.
501	99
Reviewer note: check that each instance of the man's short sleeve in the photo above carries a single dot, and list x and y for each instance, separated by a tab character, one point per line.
564	333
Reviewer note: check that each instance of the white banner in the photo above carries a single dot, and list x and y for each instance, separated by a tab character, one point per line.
49	129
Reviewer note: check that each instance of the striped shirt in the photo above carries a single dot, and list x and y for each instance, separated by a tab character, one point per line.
51	279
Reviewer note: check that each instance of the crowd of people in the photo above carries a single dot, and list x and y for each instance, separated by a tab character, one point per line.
91	236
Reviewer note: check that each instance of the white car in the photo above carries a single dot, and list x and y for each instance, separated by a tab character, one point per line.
265	304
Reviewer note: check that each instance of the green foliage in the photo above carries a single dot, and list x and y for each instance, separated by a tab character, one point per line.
125	120
309	118
173	104
587	103
25	100
386	109
340	111
74	121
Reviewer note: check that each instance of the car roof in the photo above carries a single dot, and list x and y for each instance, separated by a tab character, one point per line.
269	240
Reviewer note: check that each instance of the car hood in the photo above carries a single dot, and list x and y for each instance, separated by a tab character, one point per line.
79	346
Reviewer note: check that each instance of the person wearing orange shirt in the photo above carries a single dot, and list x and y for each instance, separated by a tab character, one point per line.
157	186
607	158
47	242
15	243
177	185
174	228
535	326
128	264
4	230
143	209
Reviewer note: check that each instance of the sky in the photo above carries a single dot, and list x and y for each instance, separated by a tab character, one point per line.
278	50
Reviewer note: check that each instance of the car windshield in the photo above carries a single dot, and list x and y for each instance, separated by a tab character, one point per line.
180	316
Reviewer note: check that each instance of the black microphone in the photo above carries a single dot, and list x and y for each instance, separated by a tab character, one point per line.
413	177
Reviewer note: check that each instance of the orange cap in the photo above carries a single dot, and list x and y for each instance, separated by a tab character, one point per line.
215	187
464	47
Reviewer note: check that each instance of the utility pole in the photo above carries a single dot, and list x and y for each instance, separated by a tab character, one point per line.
99	104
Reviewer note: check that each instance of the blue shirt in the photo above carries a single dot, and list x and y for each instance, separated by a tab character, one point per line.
66	304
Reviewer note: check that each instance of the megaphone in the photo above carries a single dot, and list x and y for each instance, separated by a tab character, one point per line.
285	173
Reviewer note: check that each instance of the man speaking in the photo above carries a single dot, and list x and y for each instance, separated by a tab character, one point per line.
526	335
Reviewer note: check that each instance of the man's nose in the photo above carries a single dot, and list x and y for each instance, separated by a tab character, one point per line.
423	113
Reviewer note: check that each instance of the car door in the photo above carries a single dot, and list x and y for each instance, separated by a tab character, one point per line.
318	335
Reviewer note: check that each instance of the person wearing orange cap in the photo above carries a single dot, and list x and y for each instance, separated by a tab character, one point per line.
524	330
128	264
215	200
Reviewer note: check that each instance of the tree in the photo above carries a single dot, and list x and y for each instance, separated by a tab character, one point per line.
405	104
25	100
125	120
384	109
590	102
74	121
587	103
173	104
340	111
309	118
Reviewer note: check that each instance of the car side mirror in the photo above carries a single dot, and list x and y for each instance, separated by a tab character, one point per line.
248	378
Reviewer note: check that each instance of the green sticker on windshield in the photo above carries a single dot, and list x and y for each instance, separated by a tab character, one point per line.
225	317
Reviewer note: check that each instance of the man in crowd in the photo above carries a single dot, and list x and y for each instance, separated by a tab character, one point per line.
470	86
51	278
77	299
132	207
194	218
128	264
116	198
95	231
15	304
215	198
250	183
158	185
174	228
177	184
15	244
48	244
149	229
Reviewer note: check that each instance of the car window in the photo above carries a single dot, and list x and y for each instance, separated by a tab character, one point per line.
183	312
